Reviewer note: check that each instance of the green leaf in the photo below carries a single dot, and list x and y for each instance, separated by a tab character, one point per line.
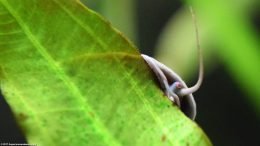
71	79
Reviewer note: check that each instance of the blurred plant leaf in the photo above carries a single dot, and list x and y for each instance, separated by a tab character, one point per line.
176	46
71	79
95	5
237	42
122	14
223	24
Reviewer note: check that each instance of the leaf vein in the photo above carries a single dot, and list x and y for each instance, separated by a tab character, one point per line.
110	140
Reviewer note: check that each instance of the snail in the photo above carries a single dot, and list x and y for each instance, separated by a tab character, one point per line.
173	85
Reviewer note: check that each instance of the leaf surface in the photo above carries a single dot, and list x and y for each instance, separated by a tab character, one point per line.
71	79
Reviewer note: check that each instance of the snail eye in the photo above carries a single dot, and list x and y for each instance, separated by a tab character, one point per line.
176	86
179	85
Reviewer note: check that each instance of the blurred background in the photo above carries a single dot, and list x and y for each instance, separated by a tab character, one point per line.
229	99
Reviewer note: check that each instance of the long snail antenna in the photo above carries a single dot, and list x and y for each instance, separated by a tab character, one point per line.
178	89
186	91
